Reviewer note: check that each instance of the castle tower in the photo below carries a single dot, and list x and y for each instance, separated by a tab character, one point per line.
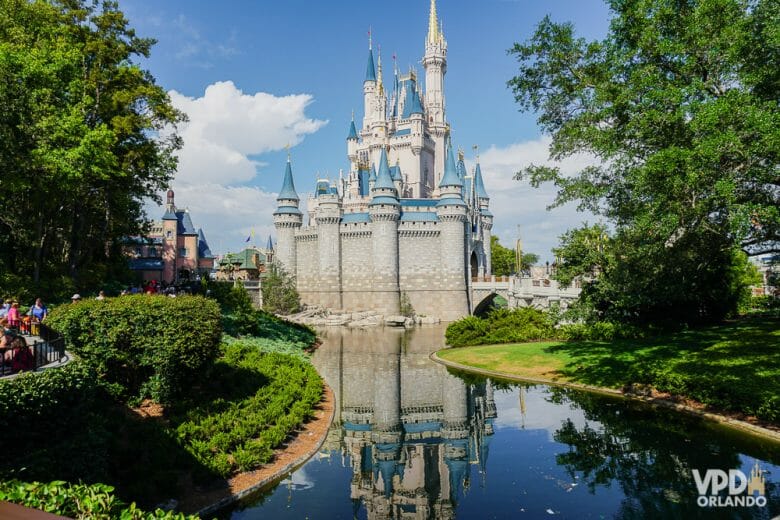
328	218
452	212
287	219
435	63
369	90
170	239
385	212
486	217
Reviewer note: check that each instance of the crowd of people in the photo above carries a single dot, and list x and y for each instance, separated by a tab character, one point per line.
15	325
15	354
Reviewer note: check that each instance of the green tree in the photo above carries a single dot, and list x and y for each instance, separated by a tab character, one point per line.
504	260
280	295
679	104
85	136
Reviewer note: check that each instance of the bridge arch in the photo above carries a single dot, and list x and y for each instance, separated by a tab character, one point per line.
488	303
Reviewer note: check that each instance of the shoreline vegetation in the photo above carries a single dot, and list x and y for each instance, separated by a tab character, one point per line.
732	369
161	406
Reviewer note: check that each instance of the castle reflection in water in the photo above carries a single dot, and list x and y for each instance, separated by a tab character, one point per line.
409	429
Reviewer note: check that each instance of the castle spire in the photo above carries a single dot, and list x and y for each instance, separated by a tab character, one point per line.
370	70
380	86
450	177
384	178
288	186
433	25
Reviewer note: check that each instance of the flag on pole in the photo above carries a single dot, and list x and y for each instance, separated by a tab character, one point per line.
251	234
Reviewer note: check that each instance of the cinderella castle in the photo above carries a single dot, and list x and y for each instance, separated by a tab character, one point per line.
408	223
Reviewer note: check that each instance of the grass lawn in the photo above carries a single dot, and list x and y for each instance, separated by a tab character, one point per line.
734	367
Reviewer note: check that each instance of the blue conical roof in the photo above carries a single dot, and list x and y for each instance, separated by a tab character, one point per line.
461	167
270	245
352	131
479	185
384	179
370	69
450	177
372	175
412	104
288	187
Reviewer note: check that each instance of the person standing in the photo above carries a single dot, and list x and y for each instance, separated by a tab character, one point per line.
39	311
14	319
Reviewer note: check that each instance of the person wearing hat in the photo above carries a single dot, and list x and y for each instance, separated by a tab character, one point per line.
75	298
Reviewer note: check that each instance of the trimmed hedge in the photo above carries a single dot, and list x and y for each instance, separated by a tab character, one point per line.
501	326
227	433
143	346
49	416
79	501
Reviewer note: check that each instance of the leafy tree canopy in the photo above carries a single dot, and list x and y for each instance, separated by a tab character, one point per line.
679	104
504	260
85	136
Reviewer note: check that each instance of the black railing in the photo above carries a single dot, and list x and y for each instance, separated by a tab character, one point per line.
48	349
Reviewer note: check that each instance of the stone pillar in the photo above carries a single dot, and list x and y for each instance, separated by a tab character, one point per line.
452	222
329	242
286	224
487	226
386	293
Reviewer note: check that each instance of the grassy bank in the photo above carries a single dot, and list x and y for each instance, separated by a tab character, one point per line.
733	367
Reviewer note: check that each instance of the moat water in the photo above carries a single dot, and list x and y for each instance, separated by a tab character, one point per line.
411	440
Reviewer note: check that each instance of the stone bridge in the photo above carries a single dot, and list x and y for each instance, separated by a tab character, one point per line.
519	292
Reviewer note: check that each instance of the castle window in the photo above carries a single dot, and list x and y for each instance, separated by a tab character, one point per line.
152	251
169	234
183	252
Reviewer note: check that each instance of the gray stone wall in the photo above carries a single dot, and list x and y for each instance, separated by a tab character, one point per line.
361	266
308	266
357	266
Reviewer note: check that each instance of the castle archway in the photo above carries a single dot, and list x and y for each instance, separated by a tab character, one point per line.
474	265
486	305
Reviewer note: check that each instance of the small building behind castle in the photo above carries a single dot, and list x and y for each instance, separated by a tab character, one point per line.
173	252
408	221
251	263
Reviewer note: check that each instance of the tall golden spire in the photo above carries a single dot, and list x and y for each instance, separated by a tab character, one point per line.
379	70
433	24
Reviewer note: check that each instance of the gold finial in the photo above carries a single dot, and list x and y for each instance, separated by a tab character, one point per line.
476	151
433	26
461	155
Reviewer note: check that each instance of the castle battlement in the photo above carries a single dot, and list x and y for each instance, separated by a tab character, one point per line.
406	219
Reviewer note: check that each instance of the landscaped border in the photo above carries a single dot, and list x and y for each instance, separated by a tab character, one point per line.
730	422
308	439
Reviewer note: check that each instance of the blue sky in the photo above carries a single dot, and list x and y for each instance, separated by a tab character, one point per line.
254	75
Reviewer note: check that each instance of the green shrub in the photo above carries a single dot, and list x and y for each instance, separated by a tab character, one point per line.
501	326
47	417
145	346
227	433
78	501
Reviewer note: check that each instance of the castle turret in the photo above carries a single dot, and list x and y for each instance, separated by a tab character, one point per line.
170	224
385	212
352	141
452	212
328	218
435	63
486	217
369	90
287	219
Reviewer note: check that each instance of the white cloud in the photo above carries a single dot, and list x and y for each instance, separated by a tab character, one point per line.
227	127
516	203
226	130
